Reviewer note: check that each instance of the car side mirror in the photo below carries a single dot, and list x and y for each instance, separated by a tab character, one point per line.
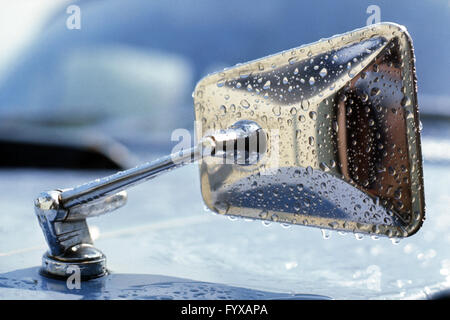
323	135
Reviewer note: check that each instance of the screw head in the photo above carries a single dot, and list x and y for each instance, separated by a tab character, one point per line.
48	200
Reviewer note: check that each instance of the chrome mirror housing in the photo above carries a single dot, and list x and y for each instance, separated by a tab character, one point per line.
324	135
343	128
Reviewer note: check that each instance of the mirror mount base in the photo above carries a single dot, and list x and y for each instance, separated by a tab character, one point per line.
71	250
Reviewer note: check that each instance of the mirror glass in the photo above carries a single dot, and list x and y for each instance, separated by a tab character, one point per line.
343	137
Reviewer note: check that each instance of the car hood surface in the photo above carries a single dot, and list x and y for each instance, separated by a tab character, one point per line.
163	244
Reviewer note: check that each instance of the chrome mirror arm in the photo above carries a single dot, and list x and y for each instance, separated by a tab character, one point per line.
62	213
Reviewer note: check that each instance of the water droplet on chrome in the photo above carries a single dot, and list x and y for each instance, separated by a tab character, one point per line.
245	104
276	110
221	82
323	72
405	101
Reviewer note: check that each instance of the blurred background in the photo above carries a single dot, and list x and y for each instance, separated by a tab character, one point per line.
111	92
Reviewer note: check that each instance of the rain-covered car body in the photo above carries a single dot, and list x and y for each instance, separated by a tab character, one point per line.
127	74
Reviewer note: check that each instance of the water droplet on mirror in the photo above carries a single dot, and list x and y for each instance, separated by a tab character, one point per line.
307	203
374	91
364	97
244	74
263	214
324	167
245	104
292	60
405	101
221	82
332	163
312	81
221	207
323	72
266	85
333	225
409	115
335	126
276	110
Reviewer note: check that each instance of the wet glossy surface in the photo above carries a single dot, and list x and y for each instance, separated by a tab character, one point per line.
156	235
